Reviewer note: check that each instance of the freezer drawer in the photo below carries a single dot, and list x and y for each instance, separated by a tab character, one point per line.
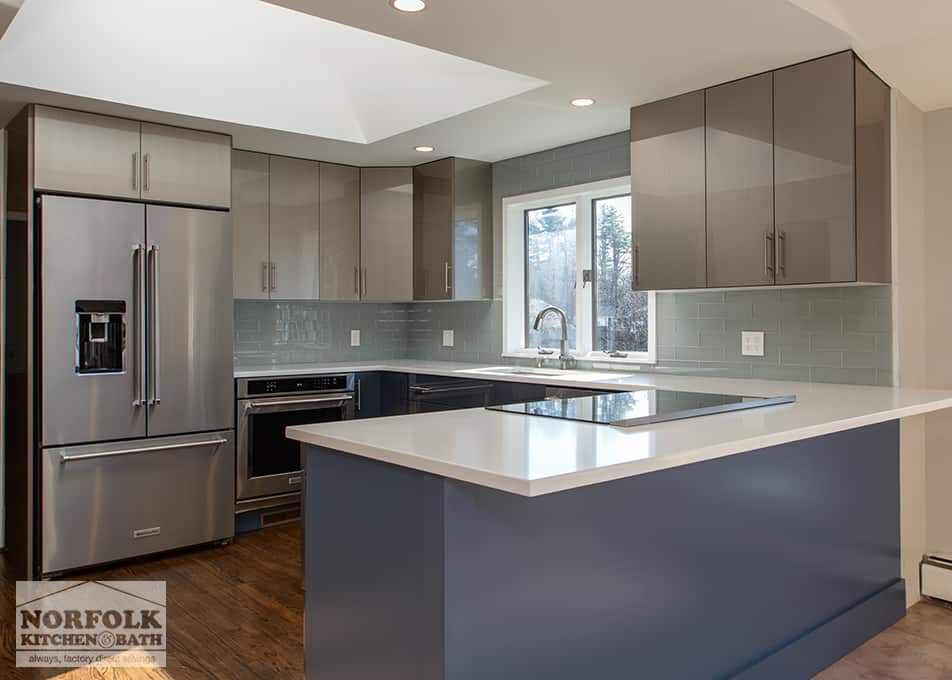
114	501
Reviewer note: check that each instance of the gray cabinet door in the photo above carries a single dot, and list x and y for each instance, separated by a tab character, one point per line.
191	320
814	170
667	193
249	212
386	233
186	166
340	232
295	232
740	219
83	153
101	265
433	230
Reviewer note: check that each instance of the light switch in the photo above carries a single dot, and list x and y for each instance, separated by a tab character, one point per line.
448	338
355	338
752	343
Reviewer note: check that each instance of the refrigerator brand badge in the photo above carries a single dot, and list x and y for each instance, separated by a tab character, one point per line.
90	623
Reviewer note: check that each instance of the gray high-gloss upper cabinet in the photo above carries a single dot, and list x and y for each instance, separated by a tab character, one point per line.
249	212
668	194
186	166
386	234
294	212
740	157
83	153
452	230
814	163
339	232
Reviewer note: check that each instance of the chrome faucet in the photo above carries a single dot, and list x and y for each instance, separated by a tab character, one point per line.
564	357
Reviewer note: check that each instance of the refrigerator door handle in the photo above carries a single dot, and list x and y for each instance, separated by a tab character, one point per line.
156	396
140	312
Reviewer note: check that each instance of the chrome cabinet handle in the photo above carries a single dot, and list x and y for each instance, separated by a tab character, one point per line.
419	389
364	294
446	277
637	268
274	277
156	317
145	172
357	391
64	458
135	170
249	405
357	281
768	242
140	306
782	253
264	277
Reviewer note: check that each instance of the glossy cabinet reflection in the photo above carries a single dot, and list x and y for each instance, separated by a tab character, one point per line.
813	133
294	228
740	156
386	234
667	193
249	213
340	232
780	178
452	230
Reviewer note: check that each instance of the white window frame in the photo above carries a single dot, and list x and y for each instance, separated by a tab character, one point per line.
513	271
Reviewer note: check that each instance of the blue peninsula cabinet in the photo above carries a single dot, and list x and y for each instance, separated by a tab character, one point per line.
767	564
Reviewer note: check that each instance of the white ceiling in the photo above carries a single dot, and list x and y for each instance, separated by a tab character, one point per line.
245	62
621	52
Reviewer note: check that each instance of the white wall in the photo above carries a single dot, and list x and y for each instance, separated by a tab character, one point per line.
938	302
909	323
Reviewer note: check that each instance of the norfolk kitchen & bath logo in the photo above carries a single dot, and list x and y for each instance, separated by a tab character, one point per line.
81	623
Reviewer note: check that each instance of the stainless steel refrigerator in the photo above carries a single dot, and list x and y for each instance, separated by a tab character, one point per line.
135	410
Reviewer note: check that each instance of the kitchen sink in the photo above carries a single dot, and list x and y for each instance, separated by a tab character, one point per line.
520	371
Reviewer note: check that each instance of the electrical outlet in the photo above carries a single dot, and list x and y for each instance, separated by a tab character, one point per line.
355	338
752	343
448	338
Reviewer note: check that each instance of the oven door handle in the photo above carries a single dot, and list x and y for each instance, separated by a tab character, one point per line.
337	399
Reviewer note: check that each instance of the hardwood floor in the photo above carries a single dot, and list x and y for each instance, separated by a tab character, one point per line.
233	612
237	612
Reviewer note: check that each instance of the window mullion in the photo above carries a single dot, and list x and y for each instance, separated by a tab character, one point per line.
585	327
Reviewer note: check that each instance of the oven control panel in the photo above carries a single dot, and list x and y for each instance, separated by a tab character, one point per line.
313	383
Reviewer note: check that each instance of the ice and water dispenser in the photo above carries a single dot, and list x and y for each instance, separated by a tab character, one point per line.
100	336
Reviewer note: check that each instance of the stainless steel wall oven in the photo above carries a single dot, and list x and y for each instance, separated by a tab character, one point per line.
269	464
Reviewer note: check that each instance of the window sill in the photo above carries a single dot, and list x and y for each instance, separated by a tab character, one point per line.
593	357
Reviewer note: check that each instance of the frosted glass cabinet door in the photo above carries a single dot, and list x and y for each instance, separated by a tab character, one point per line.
386	234
84	153
667	194
814	163
740	220
340	232
249	216
295	234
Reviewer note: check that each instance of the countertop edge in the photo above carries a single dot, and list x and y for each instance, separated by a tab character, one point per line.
547	485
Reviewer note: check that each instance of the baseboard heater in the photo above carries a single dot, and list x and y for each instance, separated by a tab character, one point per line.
935	577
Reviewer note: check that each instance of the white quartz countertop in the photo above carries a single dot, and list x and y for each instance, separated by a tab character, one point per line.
531	455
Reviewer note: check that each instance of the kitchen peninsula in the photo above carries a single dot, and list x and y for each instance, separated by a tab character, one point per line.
473	544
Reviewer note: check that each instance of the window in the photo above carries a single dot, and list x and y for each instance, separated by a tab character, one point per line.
572	249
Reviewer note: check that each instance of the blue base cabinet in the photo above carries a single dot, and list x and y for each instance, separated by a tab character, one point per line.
766	564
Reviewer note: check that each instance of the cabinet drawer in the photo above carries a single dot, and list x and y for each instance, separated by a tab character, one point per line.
114	501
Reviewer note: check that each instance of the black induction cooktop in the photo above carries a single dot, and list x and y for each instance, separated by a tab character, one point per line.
629	409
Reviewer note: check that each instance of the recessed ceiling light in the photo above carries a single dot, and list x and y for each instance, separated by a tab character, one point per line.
408	5
423	148
582	102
